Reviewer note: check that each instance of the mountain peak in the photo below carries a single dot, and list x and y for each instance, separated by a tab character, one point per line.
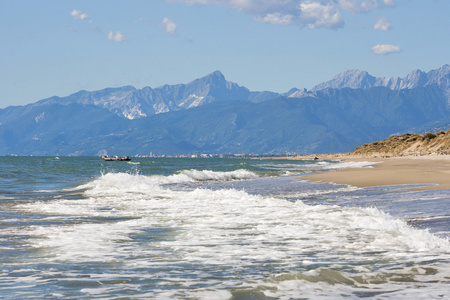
212	78
414	79
216	73
440	77
348	79
356	79
215	76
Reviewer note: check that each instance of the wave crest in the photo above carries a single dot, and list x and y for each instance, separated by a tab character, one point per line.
118	183
207	175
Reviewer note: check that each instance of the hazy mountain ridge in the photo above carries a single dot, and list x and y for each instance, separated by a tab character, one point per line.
212	115
357	79
133	103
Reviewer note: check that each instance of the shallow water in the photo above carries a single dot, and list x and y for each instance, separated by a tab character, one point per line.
214	229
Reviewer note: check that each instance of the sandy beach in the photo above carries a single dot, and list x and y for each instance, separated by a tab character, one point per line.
433	169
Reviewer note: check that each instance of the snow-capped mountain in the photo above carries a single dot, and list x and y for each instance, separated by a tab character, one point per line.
133	103
356	79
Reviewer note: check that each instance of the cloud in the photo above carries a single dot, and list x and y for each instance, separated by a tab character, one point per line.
382	24
170	25
276	18
364	6
118	37
317	15
312	13
385	49
79	15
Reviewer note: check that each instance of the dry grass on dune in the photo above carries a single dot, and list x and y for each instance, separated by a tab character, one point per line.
408	144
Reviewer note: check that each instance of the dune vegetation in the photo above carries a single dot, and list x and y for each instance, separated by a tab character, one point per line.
408	144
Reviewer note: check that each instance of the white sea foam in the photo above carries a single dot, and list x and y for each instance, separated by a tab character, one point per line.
351	164
345	165
320	165
138	196
206	175
318	192
120	182
240	174
237	233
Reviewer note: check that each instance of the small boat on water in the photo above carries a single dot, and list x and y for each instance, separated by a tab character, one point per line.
115	158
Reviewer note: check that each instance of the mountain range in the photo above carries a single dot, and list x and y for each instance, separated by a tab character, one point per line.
213	115
357	79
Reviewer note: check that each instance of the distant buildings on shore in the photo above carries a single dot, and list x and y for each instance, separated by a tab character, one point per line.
200	156
220	155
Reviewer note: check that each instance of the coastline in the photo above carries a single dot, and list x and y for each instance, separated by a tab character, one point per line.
433	170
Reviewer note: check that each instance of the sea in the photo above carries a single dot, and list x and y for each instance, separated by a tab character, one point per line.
215	228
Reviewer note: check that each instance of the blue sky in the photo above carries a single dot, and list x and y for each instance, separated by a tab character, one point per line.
56	48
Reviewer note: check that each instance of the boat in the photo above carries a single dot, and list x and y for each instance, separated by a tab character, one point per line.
116	158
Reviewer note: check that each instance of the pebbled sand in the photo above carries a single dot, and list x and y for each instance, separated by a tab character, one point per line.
390	171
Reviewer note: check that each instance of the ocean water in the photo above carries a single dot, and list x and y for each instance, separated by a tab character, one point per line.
168	228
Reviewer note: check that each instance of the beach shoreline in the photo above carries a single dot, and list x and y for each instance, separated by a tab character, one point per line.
430	170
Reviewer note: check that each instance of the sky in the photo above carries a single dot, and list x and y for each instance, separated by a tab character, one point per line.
56	48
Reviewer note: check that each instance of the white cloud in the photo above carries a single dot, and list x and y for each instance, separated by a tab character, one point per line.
312	13
363	6
382	24
317	15
276	18
118	37
385	49
79	15
170	25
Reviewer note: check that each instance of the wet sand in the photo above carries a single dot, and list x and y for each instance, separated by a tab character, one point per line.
433	170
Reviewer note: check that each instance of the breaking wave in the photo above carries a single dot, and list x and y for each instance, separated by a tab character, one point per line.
117	183
276	246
